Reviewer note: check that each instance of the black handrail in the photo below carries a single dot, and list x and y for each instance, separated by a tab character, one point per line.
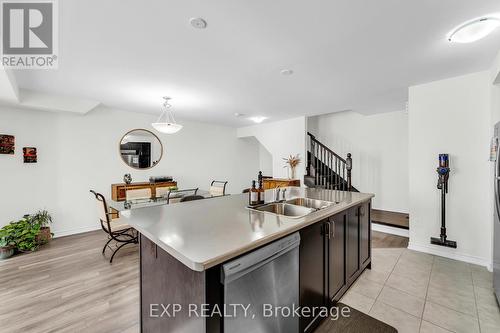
313	138
330	170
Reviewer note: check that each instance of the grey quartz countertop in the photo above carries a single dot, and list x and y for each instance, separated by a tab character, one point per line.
205	233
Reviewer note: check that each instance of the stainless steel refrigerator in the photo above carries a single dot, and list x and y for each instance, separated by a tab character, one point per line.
496	226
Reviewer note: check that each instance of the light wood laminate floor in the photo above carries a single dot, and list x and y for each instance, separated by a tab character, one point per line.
68	286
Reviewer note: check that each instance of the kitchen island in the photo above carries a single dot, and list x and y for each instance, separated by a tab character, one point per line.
184	246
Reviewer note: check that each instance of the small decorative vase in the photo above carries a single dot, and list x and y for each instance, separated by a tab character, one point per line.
292	173
127	178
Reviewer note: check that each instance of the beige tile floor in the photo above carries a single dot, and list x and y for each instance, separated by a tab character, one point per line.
418	292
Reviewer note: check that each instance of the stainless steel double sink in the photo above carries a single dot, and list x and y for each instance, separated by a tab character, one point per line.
294	208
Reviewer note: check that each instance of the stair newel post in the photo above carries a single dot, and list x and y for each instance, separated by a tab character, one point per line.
349	168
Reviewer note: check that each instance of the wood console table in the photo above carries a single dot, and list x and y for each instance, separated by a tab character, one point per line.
269	183
118	190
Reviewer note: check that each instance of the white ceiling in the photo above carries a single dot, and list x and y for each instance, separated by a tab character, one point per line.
346	54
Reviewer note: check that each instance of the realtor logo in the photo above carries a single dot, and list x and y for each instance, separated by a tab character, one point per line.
29	34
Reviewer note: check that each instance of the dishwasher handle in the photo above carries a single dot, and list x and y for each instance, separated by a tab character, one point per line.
237	268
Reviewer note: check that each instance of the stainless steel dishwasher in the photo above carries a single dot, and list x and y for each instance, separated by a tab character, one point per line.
263	280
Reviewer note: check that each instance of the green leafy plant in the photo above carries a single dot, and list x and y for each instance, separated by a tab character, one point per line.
22	234
7	245
42	217
6	241
28	233
7	236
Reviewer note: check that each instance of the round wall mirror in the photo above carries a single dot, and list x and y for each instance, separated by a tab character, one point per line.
141	149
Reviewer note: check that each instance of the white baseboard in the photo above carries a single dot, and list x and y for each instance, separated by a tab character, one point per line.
445	252
390	230
68	232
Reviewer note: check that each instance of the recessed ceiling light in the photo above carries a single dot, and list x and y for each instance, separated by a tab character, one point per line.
198	23
257	119
286	72
474	30
239	115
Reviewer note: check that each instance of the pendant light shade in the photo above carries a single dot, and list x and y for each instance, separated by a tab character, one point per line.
169	126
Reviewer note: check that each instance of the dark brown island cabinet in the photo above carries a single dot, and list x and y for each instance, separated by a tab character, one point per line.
333	253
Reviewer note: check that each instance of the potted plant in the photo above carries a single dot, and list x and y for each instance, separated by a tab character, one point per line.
7	244
19	235
24	234
43	219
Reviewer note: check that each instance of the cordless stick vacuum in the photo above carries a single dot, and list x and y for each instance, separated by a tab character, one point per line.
443	173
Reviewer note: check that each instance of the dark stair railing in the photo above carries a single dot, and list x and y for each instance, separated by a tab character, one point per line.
325	169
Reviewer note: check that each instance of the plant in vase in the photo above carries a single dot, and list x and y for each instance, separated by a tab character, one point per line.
43	219
23	234
291	163
7	244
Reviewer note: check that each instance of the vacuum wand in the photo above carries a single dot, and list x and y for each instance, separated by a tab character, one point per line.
443	171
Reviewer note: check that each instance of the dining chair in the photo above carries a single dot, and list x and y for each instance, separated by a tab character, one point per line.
138	194
117	230
192	198
162	192
218	188
177	195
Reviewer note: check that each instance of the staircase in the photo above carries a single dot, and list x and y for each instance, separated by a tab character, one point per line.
325	169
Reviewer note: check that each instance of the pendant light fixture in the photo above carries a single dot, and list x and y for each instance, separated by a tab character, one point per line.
169	126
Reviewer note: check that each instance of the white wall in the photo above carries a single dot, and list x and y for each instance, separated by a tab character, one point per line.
379	148
495	117
495	90
77	153
265	160
495	103
452	116
281	139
